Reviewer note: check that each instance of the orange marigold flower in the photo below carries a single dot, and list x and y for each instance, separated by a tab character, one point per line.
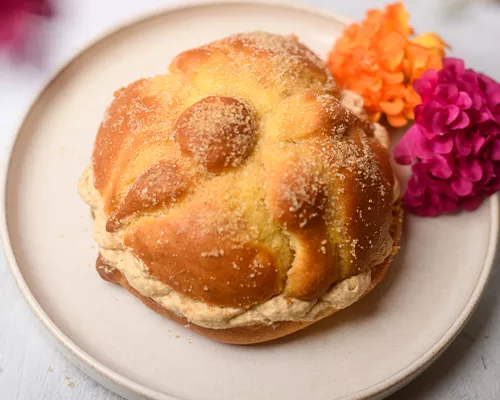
379	59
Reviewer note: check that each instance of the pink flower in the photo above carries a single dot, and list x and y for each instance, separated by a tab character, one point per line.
16	20
454	145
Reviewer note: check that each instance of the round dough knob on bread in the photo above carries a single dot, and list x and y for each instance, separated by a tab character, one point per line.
217	131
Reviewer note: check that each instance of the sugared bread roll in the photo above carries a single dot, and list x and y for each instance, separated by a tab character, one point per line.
242	194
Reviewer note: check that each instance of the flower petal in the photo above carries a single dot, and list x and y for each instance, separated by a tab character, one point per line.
464	101
455	65
461	122
392	78
397	121
393	107
404	152
447	91
495	150
397	13
416	187
442	144
470	169
485	115
462	144
452	113
439	166
461	186
426	84
438	122
431	41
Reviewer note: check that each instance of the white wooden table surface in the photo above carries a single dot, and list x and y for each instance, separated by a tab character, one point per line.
30	369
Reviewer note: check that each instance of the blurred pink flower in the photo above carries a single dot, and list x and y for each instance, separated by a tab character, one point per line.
454	145
16	21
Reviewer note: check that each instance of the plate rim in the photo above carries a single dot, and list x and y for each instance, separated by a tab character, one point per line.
112	379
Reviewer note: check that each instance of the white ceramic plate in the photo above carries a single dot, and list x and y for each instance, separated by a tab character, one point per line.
368	350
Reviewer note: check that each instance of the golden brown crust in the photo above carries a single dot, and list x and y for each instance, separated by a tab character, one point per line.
297	199
221	143
255	333
240	175
201	264
135	123
162	184
294	63
364	205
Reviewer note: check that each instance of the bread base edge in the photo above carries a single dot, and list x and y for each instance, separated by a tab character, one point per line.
257	333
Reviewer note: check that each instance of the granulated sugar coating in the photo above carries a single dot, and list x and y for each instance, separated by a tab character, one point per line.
218	131
241	181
